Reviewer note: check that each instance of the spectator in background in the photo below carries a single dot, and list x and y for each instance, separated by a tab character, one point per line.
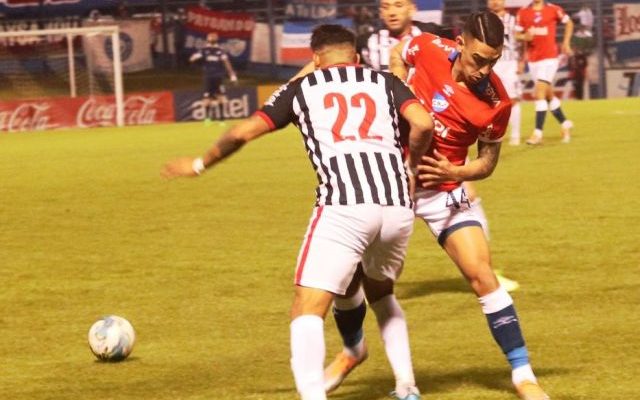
215	65
582	44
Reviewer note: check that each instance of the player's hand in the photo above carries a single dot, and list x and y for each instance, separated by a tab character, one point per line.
180	167
434	171
528	36
566	49
234	79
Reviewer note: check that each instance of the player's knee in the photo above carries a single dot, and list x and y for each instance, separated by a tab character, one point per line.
484	281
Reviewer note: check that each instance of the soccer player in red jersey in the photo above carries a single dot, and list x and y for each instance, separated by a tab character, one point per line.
536	25
468	103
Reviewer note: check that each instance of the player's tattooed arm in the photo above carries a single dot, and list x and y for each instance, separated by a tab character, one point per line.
483	166
397	65
232	141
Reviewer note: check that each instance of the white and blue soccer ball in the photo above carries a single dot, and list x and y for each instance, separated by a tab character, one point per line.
111	338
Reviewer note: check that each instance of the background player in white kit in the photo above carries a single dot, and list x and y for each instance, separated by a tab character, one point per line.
507	67
363	211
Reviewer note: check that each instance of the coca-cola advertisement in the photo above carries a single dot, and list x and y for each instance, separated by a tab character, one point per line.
84	112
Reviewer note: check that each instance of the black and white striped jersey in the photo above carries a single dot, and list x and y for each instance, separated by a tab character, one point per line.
348	117
510	50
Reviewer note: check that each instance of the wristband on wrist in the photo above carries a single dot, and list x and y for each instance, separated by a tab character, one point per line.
198	166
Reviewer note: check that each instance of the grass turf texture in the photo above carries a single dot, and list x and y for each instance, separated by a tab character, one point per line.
203	267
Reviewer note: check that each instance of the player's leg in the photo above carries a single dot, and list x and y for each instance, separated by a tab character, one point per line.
550	67
515	121
348	312
221	99
309	308
325	267
540	102
476	203
555	107
468	249
541	106
382	264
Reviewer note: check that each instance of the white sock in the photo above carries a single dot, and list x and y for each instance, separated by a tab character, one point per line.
394	332
514	121
307	356
523	373
495	301
554	104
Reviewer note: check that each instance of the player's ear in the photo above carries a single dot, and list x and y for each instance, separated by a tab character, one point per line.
459	43
357	58
316	60
412	8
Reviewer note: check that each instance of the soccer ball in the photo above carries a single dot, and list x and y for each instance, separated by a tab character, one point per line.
111	338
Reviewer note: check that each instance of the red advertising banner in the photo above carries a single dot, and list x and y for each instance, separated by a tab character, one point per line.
234	25
84	112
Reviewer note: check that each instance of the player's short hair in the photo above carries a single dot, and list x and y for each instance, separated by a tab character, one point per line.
487	27
329	34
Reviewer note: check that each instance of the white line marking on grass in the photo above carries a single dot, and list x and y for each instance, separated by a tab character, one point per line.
626	112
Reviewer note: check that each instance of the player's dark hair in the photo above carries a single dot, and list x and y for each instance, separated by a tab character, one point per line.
329	34
487	27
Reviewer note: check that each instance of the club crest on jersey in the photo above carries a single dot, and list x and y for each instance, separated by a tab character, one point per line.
439	103
413	50
537	18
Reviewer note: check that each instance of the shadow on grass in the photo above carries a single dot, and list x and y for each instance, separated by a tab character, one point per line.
409	290
430	383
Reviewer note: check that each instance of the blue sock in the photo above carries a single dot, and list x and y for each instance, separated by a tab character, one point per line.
559	115
349	324
540	116
505	328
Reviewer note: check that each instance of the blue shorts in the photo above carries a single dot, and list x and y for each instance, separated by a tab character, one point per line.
213	86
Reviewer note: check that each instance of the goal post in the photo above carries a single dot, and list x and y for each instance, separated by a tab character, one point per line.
43	62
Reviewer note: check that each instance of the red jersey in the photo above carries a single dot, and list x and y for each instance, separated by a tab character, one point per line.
542	24
462	115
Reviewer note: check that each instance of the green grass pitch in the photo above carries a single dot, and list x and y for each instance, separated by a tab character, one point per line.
203	268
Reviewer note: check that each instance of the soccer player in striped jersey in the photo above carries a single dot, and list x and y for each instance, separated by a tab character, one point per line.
507	67
536	25
364	209
469	104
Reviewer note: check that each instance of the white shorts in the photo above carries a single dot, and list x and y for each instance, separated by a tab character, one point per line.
544	70
507	71
339	237
446	212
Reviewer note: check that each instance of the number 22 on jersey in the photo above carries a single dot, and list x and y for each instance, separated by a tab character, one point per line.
358	100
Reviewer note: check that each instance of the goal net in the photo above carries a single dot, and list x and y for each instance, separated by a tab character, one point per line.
63	62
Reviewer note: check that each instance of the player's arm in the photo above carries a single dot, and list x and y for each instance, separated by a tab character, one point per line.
227	65
230	142
522	34
420	132
195	56
568	33
397	65
438	169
